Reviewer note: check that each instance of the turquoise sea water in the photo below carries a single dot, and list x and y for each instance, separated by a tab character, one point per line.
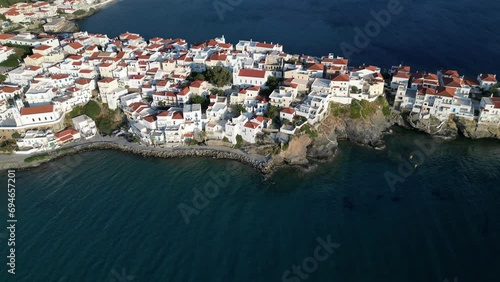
111	212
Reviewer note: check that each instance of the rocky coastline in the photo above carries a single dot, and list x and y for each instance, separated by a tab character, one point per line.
263	165
303	151
448	129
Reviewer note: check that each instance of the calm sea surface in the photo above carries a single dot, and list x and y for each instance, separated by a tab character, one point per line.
426	34
112	216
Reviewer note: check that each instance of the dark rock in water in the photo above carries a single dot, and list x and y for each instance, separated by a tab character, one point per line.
347	202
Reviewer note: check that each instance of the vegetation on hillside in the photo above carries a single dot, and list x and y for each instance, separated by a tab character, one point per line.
79	12
196	76
218	92
272	83
8	145
219	76
20	52
106	120
360	109
307	129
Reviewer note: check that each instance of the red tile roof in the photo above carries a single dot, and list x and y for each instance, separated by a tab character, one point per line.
316	67
177	115
150	118
252	73
488	77
59	76
288	110
496	102
196	83
37	110
445	91
4	36
341	77
264	45
252	125
75	45
42	47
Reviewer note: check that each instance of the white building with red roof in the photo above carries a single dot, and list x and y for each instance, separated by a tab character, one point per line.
250	130
67	135
249	77
490	110
287	113
399	78
487	80
38	115
73	48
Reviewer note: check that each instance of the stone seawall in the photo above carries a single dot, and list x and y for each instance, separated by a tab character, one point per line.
264	166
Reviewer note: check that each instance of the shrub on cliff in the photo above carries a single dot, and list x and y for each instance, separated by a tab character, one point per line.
338	110
309	131
79	12
361	108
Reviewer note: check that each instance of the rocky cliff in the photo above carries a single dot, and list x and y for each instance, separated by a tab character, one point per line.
473	130
433	126
449	128
321	142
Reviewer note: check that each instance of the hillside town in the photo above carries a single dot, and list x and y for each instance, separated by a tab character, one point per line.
49	16
173	93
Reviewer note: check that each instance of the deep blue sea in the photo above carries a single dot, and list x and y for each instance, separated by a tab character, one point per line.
111	216
426	34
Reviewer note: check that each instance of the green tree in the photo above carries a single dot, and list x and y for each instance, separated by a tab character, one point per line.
76	111
197	99
218	76
105	125
218	92
273	82
239	141
240	109
196	76
494	90
92	109
272	112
